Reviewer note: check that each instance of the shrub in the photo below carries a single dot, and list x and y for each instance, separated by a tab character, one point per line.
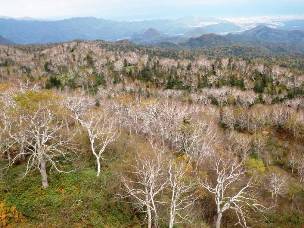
30	100
173	83
9	215
255	165
237	83
53	82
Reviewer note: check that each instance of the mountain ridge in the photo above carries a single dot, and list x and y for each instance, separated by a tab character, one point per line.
260	36
4	41
34	31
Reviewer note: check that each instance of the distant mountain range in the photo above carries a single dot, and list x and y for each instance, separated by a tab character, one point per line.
149	36
155	37
41	32
260	36
219	28
287	37
30	31
270	39
5	41
264	34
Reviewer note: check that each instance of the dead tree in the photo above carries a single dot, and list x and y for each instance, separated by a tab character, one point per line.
182	192
196	140
100	126
78	106
42	143
230	192
277	185
101	130
301	170
145	184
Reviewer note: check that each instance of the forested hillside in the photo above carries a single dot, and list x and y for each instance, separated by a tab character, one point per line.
98	134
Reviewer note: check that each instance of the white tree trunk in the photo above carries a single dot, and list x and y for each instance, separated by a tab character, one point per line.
171	223
218	220
43	173
98	166
149	217
172	215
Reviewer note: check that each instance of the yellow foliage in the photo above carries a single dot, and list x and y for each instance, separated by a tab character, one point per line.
186	128
125	99
183	158
231	100
60	190
147	102
253	165
184	161
9	215
31	99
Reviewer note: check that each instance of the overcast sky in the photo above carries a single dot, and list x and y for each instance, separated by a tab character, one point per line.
147	9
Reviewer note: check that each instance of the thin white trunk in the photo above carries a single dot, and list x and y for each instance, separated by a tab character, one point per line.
172	218
172	210
43	173
218	220
149	217
98	165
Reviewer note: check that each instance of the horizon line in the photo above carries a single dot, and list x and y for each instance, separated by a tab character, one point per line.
277	17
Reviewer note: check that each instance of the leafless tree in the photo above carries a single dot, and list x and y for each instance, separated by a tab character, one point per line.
292	161
161	120
182	192
259	143
145	184
78	106
227	117
280	115
277	185
301	170
6	103
100	126
240	144
196	140
17	134
4	129
101	130
42	143
230	191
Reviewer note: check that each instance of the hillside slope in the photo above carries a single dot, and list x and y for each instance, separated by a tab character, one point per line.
156	117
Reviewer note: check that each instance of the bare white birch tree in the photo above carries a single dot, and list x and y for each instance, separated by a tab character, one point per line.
4	142
102	130
17	134
78	106
43	143
301	170
145	184
292	161
182	192
229	192
100	126
5	126
6	103
196	140
277	185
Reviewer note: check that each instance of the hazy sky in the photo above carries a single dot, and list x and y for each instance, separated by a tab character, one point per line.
147	9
